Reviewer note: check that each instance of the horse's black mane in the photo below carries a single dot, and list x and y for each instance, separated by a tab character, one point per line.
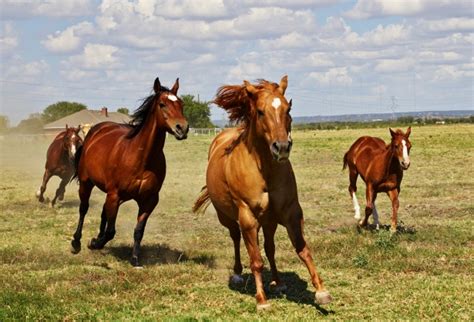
141	113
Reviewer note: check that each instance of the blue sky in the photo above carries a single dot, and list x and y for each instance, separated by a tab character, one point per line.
341	57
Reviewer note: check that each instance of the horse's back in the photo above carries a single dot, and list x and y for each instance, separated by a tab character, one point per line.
363	151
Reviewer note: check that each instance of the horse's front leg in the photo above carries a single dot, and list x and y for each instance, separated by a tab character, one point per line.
249	227
40	193
370	197
393	194
61	189
269	233
145	209
294	227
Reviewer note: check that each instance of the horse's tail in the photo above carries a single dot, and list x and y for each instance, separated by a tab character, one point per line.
202	201
344	164
77	158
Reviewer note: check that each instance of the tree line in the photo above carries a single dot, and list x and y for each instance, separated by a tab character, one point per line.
197	112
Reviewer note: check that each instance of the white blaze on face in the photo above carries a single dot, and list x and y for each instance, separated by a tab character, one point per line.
173	98
406	158
356	206
276	103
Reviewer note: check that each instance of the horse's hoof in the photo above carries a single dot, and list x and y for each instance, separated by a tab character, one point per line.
75	246
61	198
236	279
135	263
263	306
93	244
323	297
277	287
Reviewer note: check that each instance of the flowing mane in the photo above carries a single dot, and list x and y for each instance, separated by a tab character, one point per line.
141	113
235	100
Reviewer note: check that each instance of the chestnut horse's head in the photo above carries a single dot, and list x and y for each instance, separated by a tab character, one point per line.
171	109
71	140
401	146
271	116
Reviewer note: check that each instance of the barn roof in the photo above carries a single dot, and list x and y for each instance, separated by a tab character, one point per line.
88	117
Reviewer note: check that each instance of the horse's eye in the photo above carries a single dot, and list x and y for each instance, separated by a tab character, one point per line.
260	113
162	105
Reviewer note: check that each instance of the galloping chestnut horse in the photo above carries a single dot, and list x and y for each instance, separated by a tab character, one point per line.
381	167
60	161
127	162
251	183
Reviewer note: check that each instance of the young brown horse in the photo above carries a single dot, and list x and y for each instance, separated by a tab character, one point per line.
381	167
60	161
251	183
127	162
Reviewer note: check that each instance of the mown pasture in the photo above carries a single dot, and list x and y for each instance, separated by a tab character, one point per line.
424	272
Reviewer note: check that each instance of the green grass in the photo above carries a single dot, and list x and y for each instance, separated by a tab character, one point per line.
423	273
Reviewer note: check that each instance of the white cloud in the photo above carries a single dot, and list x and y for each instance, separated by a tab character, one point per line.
394	65
334	76
96	56
69	39
77	74
8	39
47	8
450	73
364	9
449	24
21	70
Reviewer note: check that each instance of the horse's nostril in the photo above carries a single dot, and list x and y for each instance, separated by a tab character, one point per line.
179	128
276	146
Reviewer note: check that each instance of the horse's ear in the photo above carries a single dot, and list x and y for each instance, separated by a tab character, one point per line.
175	88
290	103
157	85
392	133
283	84
66	127
250	88
78	128
407	134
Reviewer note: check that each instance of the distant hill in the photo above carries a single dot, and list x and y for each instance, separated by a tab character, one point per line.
371	117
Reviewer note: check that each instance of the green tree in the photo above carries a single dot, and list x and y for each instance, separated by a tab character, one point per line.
33	124
123	110
197	113
4	123
61	109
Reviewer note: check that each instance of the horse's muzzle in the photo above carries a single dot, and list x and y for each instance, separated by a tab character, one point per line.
180	131
281	150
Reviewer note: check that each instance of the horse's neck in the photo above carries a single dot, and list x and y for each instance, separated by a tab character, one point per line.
259	150
150	141
388	159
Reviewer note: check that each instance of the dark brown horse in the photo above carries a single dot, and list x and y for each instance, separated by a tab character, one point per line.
60	161
251	183
381	167
127	162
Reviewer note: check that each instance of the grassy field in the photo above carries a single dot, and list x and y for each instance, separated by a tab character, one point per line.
424	273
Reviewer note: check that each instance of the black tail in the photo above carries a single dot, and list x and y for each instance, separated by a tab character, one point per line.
344	165
77	158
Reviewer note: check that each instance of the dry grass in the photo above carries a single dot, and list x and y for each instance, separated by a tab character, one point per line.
423	273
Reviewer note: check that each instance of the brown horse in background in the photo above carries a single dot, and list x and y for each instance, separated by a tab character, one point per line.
60	161
251	183
381	167
127	162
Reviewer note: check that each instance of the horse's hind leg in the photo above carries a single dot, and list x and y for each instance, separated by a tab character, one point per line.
269	244
61	189
39	194
393	194
234	231
295	231
352	191
85	189
144	211
110	209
